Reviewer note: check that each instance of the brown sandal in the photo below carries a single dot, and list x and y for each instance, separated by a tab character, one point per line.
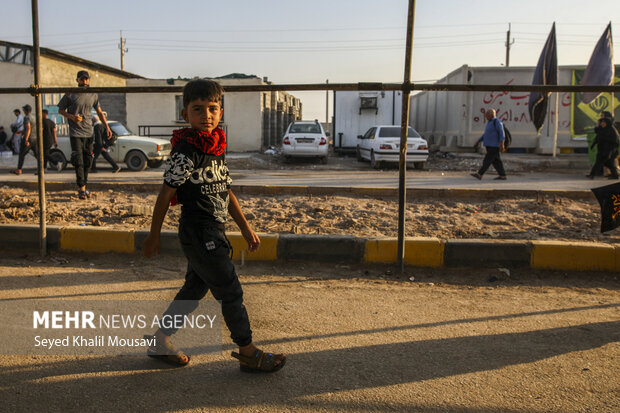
167	354
260	362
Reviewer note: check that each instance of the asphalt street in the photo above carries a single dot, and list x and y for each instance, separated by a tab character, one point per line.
561	180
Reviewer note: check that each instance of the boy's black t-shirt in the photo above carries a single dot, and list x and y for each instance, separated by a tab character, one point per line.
202	181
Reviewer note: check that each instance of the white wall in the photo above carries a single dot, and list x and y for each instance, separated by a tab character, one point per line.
457	118
242	112
351	123
151	108
14	75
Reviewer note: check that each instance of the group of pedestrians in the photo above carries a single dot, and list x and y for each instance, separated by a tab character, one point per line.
25	140
607	141
87	134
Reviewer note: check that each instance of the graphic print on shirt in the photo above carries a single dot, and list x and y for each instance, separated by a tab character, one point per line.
178	169
220	208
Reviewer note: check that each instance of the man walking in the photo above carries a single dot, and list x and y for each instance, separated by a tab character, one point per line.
101	148
17	128
28	140
493	141
76	107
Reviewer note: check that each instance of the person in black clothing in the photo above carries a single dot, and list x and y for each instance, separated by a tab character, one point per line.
197	177
99	138
3	139
49	137
607	140
77	107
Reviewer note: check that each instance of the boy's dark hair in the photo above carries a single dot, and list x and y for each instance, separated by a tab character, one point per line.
45	111
202	89
17	111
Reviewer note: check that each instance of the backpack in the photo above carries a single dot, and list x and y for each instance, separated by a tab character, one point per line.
507	135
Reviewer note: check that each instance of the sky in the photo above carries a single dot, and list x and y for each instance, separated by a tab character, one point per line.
343	41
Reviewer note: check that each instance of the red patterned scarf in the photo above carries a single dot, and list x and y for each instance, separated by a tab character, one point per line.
213	143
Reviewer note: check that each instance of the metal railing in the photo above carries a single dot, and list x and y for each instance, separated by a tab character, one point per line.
406	87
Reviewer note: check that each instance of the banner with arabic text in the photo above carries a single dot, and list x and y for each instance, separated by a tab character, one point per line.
584	116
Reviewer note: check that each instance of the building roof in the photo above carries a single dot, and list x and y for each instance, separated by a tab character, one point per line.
67	58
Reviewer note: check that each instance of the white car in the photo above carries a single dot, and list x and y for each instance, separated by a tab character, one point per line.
305	139
381	144
137	152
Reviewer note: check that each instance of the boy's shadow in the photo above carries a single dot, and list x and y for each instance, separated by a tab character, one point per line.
122	383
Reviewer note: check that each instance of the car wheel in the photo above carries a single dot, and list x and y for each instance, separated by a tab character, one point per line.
358	154
418	165
57	160
155	163
136	161
373	162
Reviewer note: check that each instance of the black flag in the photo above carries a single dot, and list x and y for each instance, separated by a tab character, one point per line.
609	198
600	69
546	73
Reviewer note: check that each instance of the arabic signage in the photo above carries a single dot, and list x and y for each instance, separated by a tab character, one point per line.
512	107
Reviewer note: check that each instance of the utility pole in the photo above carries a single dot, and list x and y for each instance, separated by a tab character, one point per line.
123	51
508	44
326	107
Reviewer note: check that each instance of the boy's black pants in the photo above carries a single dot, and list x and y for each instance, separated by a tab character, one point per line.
210	267
492	158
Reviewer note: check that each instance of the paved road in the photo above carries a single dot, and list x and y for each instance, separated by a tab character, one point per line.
358	339
567	180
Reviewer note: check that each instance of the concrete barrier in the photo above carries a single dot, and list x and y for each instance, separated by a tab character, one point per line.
481	253
422	252
326	248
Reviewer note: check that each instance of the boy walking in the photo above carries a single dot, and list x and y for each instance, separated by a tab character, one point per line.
197	177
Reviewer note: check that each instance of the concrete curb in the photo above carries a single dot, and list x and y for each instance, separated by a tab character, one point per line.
376	192
421	252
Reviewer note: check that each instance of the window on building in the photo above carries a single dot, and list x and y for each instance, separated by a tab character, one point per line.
178	107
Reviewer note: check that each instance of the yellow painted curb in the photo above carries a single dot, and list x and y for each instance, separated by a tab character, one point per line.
96	240
424	252
268	250
578	256
381	250
420	252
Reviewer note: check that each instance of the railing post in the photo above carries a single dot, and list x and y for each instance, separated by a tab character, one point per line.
404	129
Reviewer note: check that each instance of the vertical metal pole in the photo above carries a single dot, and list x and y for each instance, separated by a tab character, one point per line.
556	121
508	46
326	106
404	127
39	116
122	47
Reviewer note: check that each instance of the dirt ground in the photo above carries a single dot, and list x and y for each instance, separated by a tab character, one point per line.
358	339
518	218
437	161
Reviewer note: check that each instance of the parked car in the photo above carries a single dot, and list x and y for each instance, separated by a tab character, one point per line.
305	139
381	144
137	152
